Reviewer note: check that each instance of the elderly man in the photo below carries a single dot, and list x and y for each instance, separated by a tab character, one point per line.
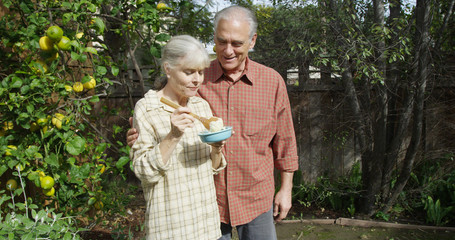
253	99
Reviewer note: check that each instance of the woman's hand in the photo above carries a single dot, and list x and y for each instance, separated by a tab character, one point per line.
217	146
180	120
215	154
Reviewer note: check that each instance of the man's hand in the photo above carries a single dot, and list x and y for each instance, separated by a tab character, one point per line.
283	199
132	134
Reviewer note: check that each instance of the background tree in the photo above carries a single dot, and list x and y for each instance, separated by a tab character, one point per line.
384	62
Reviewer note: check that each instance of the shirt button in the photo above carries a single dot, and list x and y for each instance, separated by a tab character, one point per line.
232	108
231	152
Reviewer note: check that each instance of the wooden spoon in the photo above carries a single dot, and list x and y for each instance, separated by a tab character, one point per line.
205	121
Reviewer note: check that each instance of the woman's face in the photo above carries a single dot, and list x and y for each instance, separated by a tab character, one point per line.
184	81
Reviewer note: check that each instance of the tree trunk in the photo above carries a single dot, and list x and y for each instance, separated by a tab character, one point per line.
444	25
422	57
372	173
394	138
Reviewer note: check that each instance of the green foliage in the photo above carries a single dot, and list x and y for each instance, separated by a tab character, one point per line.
432	179
338	194
44	224
435	212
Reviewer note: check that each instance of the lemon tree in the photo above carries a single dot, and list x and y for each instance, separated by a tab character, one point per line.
60	59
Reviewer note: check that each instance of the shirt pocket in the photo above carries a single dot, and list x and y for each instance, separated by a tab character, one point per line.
259	122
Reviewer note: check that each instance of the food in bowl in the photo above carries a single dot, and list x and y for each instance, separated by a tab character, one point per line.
217	125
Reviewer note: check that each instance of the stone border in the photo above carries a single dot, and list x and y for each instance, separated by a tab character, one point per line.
366	223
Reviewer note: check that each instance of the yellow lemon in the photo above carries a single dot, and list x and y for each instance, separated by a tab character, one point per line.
90	84
42	64
11	185
99	205
103	168
47	182
52	56
8	151
64	44
34	126
49	192
57	120
8	126
78	87
20	167
68	88
41	121
79	35
46	44
161	6
55	33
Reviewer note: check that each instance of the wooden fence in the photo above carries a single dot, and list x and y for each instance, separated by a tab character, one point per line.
325	137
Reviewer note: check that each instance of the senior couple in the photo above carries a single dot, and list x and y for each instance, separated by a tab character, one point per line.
195	190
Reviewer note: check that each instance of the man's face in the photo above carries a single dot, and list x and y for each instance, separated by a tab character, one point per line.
232	44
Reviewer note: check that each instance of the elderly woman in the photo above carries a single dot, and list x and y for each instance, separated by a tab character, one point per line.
175	168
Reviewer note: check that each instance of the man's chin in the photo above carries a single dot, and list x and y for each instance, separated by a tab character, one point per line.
228	66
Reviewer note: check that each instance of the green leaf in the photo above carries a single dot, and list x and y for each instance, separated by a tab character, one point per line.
122	162
85	79
94	99
163	37
99	25
75	146
91	50
91	7
52	160
101	70
3	169
17	82
155	52
114	70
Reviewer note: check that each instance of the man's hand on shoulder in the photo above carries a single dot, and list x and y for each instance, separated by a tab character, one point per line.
132	134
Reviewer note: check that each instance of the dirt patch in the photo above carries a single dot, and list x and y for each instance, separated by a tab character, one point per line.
310	231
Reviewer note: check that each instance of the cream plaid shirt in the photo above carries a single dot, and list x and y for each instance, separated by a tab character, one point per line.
180	195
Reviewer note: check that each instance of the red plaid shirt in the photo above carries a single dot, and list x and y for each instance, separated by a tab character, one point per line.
257	106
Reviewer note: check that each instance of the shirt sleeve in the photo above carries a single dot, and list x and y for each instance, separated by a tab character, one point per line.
284	143
145	153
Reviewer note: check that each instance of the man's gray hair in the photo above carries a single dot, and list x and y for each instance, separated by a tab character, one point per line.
240	13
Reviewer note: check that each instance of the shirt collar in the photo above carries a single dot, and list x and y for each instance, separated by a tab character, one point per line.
248	76
153	101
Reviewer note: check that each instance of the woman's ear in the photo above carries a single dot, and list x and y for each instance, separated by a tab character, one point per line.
167	69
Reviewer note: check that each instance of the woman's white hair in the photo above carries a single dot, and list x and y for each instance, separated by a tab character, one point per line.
182	50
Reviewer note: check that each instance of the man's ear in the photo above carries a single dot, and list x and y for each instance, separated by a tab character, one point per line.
253	41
